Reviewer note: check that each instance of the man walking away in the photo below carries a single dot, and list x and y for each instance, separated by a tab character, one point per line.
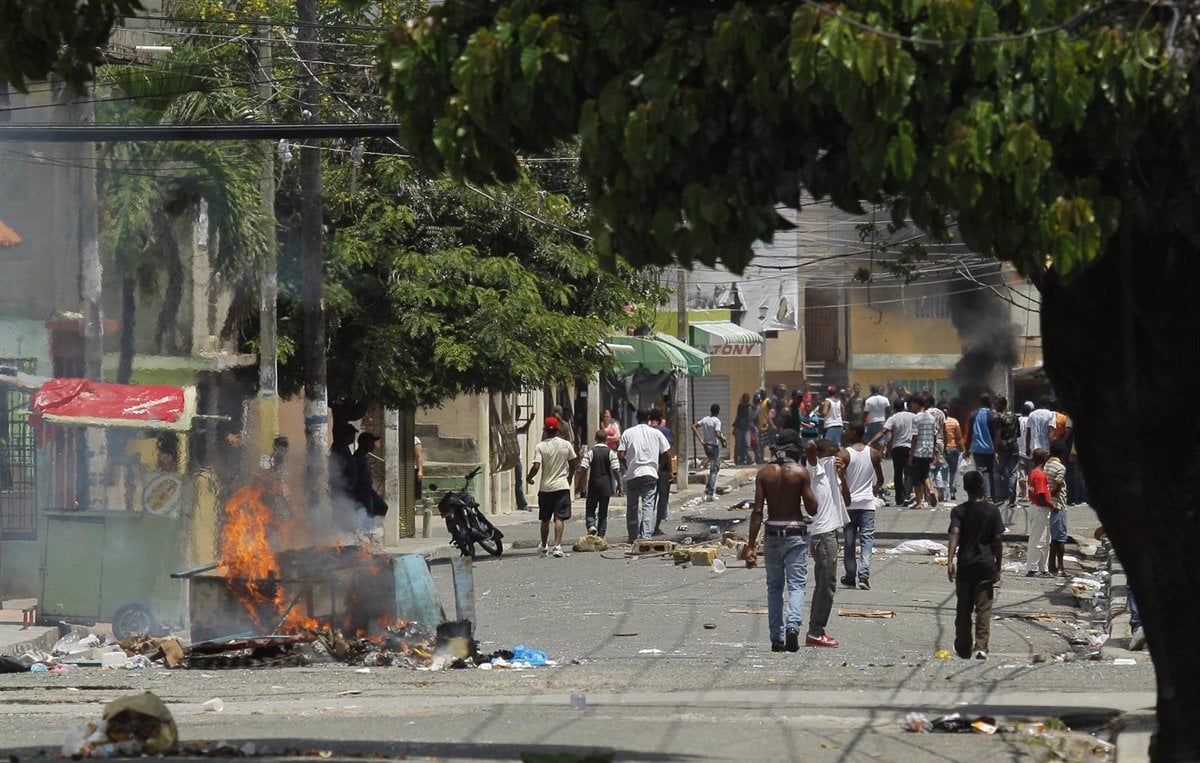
899	428
1041	501
1008	455
644	453
783	485
602	473
920	455
982	432
665	478
1056	476
1037	428
877	409
743	422
833	415
554	458
708	430
364	488
827	467
975	554
954	443
864	477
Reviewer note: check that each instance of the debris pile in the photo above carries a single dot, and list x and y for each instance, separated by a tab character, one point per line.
139	724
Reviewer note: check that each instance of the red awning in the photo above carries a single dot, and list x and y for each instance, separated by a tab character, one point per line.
88	403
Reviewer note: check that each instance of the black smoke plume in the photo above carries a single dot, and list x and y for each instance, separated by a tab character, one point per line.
987	333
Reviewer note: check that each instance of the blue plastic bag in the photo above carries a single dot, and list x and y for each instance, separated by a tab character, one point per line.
535	657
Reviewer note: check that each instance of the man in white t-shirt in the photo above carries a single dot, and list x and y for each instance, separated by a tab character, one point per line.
554	459
643	451
827	467
708	430
900	426
1038	426
877	408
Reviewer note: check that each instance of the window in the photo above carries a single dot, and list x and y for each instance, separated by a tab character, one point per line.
933	306
18	467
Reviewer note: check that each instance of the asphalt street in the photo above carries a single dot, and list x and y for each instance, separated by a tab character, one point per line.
668	662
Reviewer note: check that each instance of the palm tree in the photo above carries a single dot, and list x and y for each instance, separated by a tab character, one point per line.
148	189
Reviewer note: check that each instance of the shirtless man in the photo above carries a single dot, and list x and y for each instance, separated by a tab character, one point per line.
783	484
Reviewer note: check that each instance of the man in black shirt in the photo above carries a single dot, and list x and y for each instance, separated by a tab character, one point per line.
975	534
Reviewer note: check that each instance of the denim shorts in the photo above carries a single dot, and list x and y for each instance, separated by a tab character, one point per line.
1058	526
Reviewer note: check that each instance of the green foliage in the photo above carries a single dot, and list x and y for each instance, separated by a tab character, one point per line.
64	38
435	290
698	120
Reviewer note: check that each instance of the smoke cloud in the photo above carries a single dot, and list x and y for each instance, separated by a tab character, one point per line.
988	336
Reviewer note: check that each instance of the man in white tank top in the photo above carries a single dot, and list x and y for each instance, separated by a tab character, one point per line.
864	478
833	414
827	467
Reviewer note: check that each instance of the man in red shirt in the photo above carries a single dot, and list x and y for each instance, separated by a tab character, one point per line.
1037	552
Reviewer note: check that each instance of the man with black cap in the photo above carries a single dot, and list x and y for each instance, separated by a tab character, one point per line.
364	490
783	485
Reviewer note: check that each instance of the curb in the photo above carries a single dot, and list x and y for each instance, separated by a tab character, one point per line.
1135	729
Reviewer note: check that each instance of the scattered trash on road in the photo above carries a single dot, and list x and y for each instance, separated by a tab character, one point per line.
650	651
942	654
916	723
1124	661
578	701
214	705
882	614
139	724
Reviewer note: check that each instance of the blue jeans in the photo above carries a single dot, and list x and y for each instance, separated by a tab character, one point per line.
741	447
1006	477
1135	617
664	495
641	506
860	531
834	435
786	560
713	453
985	464
950	471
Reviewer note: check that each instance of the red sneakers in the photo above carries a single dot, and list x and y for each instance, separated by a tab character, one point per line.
822	640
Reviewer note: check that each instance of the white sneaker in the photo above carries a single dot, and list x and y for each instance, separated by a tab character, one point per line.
592	530
1137	641
543	548
981	655
557	552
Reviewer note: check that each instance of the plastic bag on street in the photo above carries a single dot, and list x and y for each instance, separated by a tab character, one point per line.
533	657
923	546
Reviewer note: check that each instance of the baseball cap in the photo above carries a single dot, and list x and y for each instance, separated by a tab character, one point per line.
551	422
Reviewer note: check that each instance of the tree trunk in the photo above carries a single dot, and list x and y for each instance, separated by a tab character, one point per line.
128	318
1122	351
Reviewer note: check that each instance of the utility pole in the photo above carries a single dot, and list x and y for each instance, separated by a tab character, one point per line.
90	269
683	431
268	278
312	265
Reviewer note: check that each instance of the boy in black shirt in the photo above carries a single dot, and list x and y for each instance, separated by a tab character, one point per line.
975	532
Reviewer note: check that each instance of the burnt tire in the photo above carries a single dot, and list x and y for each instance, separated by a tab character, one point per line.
133	620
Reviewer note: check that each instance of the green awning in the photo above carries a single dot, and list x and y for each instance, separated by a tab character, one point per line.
725	339
656	357
698	364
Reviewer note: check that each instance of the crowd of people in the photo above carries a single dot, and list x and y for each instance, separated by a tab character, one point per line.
826	476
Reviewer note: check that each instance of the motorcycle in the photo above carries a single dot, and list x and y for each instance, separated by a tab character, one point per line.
466	523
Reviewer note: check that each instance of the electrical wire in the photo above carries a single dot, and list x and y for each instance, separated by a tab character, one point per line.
1069	25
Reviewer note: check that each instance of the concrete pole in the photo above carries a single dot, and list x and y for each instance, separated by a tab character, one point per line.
268	376
393	451
682	425
312	264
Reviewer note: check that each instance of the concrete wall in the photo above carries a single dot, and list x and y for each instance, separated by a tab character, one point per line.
743	377
40	199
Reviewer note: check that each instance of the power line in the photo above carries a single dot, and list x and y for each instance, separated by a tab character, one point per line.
1069	25
60	133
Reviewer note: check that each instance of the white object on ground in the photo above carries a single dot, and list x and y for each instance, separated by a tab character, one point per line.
923	546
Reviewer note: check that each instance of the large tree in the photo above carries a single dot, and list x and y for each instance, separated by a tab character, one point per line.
437	290
1062	137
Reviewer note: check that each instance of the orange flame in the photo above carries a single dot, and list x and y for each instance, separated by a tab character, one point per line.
246	551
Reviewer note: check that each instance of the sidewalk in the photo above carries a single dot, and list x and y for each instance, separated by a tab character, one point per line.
437	545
